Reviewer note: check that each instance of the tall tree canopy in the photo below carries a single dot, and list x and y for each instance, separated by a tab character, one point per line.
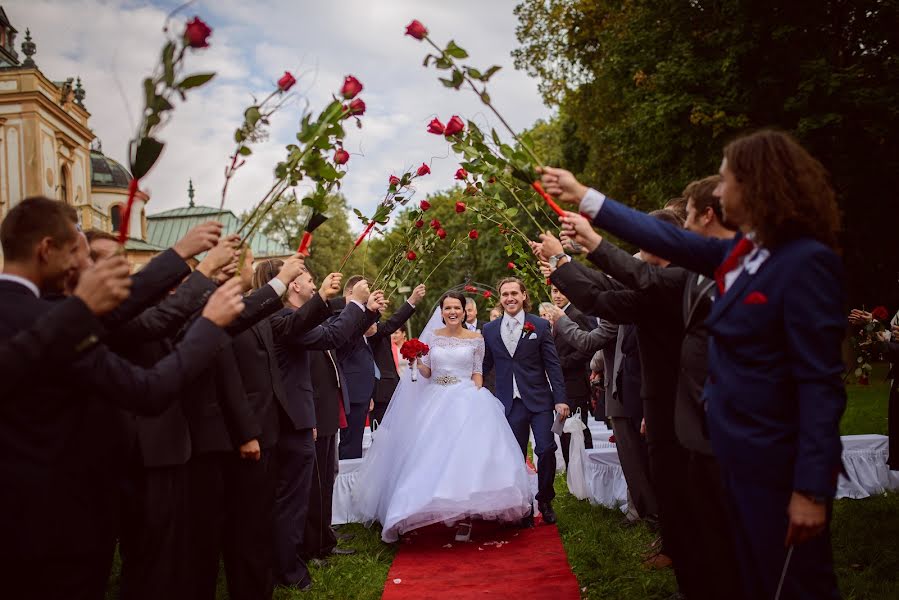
649	92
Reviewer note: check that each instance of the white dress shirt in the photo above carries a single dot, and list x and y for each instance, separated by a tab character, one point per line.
518	323
22	281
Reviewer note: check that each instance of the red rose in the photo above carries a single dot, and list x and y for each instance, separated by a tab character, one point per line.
612	439
286	82
196	33
441	233
423	170
460	207
488	294
436	127
424	205
394	180
410	255
470	288
511	265
528	327
454	126
434	224
880	313
461	173
473	234
341	157
356	107
416	30
419	224
351	87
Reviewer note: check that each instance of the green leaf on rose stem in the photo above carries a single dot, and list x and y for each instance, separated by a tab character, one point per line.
511	212
239	135
245	151
490	72
153	120
455	51
149	92
160	104
195	80
473	73
427	60
507	151
447	82
394	283
443	63
168	65
281	170
458	79
148	151
358	213
252	116
485	97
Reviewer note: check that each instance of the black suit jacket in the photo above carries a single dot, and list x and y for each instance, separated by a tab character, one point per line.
659	324
50	343
382	352
61	439
328	391
219	412
357	357
575	359
294	353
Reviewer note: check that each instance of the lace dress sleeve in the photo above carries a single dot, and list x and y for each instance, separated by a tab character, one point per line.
478	365
428	339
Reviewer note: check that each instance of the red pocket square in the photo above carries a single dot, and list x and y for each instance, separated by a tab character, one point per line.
756	298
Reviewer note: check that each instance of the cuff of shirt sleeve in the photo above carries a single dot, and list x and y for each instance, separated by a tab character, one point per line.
359	304
278	286
592	203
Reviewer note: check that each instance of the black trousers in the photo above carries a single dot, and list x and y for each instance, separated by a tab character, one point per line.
634	458
318	537
154	535
583	403
668	471
713	544
80	576
231	503
351	435
377	413
296	460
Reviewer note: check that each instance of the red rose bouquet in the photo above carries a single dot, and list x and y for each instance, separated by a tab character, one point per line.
412	350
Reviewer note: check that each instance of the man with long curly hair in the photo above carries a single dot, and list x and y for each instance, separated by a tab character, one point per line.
774	392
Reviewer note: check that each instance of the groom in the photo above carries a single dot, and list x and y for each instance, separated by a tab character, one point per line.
521	347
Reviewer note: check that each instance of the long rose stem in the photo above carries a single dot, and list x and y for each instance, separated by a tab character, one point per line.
126	214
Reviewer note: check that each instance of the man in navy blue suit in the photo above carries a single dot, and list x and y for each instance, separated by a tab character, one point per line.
774	394
520	346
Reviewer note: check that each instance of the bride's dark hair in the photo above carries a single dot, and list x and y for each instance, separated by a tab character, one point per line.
451	294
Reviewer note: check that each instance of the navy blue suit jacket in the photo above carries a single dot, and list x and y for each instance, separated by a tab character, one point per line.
534	361
775	393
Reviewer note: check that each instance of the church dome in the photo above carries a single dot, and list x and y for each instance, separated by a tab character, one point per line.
106	172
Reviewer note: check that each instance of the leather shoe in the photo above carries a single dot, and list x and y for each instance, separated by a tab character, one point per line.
343	551
549	515
345	537
527	521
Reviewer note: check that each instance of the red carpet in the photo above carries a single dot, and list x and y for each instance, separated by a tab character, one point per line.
497	563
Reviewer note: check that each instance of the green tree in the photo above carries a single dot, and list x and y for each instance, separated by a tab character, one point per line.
649	92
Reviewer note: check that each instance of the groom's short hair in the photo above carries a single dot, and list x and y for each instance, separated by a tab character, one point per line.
527	298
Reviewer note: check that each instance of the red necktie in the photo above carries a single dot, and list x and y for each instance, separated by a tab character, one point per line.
743	247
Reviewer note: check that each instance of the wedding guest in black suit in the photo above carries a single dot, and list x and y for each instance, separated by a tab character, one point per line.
380	343
58	436
296	450
153	540
472	322
357	359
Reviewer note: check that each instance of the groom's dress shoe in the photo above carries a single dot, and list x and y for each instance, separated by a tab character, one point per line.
549	515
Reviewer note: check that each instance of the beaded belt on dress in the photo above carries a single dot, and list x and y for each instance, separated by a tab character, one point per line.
445	380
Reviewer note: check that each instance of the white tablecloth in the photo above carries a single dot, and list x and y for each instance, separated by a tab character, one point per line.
864	457
865	460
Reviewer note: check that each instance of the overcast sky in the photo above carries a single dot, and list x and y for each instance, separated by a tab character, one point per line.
113	44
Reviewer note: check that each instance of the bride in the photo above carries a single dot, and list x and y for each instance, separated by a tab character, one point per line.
444	452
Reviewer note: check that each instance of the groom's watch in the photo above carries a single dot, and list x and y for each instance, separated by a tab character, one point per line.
554	260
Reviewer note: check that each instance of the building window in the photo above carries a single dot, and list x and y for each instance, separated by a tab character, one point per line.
115	216
64	184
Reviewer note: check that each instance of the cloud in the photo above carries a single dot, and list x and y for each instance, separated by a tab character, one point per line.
113	44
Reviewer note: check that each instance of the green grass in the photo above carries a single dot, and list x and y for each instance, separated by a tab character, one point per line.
607	559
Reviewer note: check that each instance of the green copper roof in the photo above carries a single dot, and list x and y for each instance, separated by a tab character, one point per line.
167	227
141	246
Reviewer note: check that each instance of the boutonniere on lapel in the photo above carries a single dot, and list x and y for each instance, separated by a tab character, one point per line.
755	298
527	330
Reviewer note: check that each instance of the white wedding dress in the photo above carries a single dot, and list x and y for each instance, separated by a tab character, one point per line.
444	451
